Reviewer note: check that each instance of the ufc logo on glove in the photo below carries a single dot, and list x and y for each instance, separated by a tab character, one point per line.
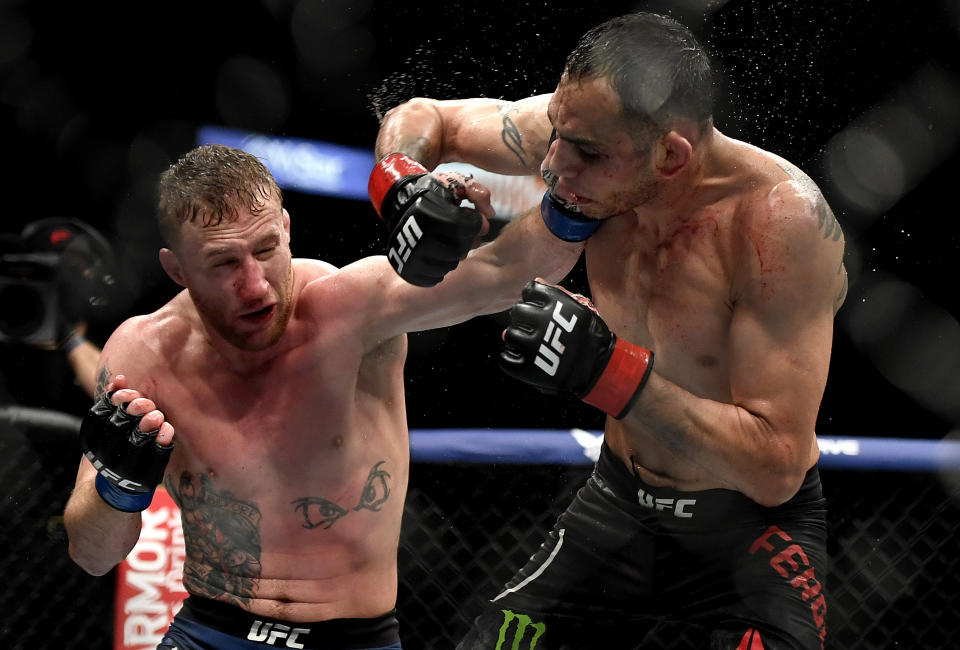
548	358
423	213
407	238
590	361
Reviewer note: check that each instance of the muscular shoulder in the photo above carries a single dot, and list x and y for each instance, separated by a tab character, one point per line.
311	281
799	210
791	234
342	293
310	269
142	345
367	297
321	282
780	200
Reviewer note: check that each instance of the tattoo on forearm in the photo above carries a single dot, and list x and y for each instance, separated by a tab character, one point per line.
222	535
418	148
319	512
511	135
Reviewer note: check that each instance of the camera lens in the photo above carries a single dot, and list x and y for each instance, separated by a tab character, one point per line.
24	309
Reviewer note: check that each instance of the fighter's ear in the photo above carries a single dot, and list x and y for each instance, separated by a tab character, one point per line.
673	153
170	264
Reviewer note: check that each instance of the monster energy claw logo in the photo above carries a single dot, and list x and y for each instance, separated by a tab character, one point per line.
523	624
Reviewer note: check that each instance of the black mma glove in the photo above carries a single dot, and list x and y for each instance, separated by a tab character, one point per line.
558	342
129	462
429	232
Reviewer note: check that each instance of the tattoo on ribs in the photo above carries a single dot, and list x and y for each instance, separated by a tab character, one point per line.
376	491
319	512
222	537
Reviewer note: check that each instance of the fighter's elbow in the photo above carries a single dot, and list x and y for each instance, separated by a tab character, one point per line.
781	477
420	104
775	490
414	107
93	565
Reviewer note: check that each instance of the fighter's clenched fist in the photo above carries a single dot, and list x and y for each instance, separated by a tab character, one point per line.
128	441
429	231
558	342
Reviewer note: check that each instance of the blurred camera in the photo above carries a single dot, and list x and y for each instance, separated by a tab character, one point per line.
56	273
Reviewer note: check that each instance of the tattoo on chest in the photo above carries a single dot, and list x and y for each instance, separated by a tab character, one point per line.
223	540
319	512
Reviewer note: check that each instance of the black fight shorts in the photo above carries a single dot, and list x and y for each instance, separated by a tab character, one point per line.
204	624
625	557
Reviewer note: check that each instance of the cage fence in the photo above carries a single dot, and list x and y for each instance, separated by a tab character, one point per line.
893	542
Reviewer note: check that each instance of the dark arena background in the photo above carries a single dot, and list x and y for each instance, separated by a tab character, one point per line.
97	98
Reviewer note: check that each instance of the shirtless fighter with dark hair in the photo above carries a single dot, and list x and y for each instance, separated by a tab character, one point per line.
716	272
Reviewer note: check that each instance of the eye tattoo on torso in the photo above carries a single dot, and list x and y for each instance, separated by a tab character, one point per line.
319	512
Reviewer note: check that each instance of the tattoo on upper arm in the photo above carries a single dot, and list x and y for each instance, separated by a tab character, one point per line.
223	540
319	512
511	135
104	377
828	225
843	290
826	221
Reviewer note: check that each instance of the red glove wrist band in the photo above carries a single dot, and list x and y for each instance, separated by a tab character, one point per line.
387	172
621	380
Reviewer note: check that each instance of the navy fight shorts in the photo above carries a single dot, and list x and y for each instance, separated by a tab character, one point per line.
204	624
626	557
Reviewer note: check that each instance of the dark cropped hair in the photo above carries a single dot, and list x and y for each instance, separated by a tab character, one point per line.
656	66
210	183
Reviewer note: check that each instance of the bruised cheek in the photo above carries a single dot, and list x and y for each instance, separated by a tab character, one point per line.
624	183
213	300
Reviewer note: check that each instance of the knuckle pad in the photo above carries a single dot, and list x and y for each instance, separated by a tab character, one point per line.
140	438
122	419
519	338
526	313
